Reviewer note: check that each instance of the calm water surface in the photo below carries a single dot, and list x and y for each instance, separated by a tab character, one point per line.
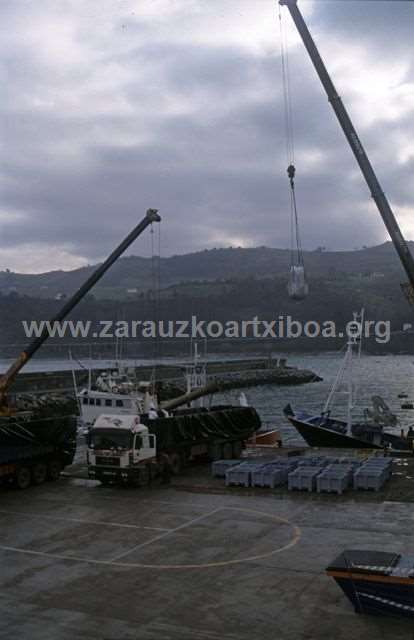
386	376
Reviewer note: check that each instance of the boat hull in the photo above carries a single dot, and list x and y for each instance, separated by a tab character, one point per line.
316	436
377	598
378	583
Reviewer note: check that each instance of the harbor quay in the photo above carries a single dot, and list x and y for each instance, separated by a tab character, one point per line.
188	560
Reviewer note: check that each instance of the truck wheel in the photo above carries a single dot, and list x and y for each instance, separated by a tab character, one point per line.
39	473
144	476
140	479
175	464
23	478
54	469
105	481
185	457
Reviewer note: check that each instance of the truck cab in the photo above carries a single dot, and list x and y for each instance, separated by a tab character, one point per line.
120	449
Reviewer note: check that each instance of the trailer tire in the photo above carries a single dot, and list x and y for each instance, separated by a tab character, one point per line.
23	478
39	473
237	449
53	470
215	451
227	451
176	464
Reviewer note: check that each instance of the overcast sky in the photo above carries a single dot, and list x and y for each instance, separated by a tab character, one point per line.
114	106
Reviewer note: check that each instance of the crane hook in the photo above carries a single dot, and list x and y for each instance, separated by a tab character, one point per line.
291	170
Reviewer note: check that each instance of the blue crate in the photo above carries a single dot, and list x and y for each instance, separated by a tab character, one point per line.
336	478
303	478
270	475
370	477
219	467
241	474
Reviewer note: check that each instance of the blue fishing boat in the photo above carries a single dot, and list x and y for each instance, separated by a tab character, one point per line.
325	430
376	582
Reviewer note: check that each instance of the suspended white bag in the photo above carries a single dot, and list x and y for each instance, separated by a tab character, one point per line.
297	286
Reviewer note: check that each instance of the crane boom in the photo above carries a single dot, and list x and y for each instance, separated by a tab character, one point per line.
358	150
7	379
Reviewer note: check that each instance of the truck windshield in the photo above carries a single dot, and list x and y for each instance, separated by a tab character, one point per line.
109	439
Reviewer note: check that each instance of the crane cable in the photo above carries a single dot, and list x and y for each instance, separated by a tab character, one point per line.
296	249
287	101
296	254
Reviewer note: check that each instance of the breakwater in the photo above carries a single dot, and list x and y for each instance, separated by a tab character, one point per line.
229	374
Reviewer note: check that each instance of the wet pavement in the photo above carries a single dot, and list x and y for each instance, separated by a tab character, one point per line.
78	560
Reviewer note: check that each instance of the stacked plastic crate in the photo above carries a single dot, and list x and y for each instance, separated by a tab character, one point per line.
273	474
335	478
373	474
219	467
304	477
310	473
241	474
316	461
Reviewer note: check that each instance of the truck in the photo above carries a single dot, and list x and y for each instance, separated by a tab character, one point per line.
131	449
38	434
37	442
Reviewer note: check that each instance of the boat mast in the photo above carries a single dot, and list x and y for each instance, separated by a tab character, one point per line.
350	404
358	150
354	339
338	381
195	373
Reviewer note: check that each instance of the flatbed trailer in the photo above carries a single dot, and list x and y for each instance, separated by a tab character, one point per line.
131	449
29	464
34	456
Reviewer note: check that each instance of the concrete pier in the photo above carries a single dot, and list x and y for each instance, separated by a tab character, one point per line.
186	562
230	374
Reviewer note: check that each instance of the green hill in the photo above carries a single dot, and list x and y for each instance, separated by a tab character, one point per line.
210	265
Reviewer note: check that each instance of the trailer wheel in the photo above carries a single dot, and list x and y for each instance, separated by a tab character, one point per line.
54	469
227	451
39	473
215	451
23	478
175	463
237	449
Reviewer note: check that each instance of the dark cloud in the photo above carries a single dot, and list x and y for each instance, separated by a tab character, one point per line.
375	21
116	112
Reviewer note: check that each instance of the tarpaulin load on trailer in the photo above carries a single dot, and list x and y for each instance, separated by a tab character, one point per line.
44	424
197	427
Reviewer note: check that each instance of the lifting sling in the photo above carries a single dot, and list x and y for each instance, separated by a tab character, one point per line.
297	286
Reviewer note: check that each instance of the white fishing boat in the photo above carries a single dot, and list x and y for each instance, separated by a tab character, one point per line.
118	392
115	392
